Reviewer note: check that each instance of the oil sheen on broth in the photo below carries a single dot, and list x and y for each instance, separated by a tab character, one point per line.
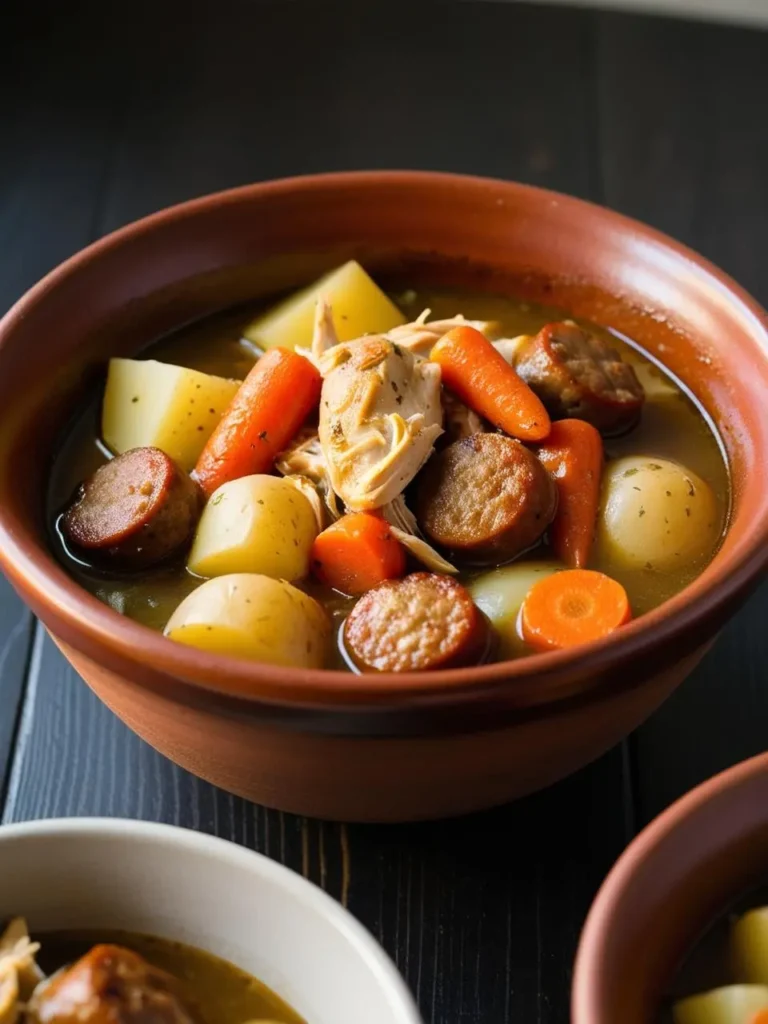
674	428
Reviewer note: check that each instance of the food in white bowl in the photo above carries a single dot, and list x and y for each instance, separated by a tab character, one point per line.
121	922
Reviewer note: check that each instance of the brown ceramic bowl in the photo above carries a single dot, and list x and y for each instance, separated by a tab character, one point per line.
379	747
679	874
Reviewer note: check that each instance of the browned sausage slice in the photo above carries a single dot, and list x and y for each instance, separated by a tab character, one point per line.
111	985
577	374
134	511
485	498
424	621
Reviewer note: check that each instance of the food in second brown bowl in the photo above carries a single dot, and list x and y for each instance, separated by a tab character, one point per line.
724	980
120	978
354	455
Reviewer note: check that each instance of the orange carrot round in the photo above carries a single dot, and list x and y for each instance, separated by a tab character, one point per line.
473	369
572	607
267	411
357	552
573	454
761	1017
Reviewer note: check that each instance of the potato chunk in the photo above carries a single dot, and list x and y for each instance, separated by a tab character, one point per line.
500	593
257	524
359	307
749	947
252	616
148	404
732	1004
656	514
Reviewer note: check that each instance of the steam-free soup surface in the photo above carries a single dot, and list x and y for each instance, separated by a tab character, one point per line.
672	427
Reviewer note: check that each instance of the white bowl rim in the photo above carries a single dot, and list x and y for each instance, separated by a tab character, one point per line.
391	984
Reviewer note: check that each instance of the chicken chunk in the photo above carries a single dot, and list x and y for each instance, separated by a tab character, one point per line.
380	414
110	985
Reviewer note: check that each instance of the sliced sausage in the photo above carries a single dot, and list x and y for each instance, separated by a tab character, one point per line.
577	374
110	985
134	511
485	498
424	621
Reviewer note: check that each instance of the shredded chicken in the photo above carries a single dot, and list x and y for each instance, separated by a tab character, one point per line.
380	415
19	973
406	530
420	335
304	465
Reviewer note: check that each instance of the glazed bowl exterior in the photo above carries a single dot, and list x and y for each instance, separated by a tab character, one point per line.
78	873
682	871
379	747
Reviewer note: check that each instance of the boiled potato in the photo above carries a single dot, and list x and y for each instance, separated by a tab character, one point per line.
749	947
359	307
656	385
255	524
147	403
733	1004
656	514
501	592
252	616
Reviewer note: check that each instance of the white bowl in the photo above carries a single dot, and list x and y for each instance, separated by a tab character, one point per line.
177	884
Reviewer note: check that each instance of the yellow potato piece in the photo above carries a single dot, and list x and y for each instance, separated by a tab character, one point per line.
255	524
500	593
749	947
733	1004
162	406
656	514
251	616
359	307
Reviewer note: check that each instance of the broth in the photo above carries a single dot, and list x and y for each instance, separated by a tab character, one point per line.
674	427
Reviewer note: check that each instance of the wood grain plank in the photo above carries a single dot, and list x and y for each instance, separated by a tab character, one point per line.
684	146
15	638
48	200
237	92
481	914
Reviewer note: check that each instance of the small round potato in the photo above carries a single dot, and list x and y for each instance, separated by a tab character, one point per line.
656	514
256	617
260	524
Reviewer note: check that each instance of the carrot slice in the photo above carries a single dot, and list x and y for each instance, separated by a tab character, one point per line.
761	1017
572	607
267	411
357	552
573	454
473	369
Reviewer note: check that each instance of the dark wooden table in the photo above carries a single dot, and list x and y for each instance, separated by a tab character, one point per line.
108	112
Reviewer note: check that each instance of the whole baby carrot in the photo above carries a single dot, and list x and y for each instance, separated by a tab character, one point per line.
481	377
573	454
267	411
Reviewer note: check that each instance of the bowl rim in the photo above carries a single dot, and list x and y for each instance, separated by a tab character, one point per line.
586	1002
722	581
294	886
